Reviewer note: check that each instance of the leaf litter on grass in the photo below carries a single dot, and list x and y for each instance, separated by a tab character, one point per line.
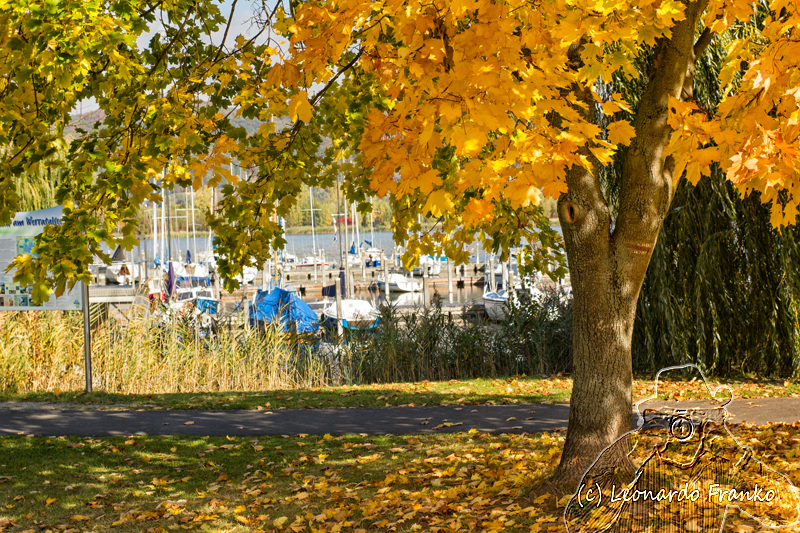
271	484
438	483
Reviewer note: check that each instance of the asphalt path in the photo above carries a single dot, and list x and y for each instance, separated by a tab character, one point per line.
371	421
44	420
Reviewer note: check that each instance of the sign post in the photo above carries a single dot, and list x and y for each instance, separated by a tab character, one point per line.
87	339
18	238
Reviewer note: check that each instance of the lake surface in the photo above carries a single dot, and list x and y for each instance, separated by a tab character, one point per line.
470	293
299	245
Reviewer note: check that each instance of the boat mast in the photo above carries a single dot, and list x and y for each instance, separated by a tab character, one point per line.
186	210
155	230
356	240
356	223
347	249
371	228
194	228
169	226
313	236
311	209
339	229
163	231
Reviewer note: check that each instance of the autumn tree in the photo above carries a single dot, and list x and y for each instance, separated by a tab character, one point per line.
468	111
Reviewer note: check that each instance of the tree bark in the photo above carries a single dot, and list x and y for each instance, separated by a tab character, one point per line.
607	265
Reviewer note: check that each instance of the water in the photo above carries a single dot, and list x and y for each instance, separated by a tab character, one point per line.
299	245
468	294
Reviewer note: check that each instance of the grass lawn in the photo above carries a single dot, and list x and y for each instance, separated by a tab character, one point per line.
520	389
437	483
301	483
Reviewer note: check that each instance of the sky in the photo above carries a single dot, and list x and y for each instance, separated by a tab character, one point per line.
242	25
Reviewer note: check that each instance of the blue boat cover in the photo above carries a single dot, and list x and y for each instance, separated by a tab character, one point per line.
170	280
282	304
187	282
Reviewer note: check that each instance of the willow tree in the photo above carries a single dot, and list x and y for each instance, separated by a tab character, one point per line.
465	110
722	288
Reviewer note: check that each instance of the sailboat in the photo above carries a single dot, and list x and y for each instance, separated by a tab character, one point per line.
356	314
311	261
315	260
399	283
121	271
371	254
433	265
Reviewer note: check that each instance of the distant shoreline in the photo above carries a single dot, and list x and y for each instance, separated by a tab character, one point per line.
303	230
306	230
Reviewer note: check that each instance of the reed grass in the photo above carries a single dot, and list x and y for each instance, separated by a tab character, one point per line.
535	339
43	352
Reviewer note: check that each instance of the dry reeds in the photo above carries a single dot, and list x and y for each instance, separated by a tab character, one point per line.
43	351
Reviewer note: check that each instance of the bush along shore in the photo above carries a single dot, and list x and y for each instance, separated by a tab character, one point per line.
43	352
430	360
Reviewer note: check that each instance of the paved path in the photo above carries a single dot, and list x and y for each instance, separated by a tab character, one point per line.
38	419
384	420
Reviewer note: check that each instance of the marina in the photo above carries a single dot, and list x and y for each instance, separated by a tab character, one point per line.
463	293
336	274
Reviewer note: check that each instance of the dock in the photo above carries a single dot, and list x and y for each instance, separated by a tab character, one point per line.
120	299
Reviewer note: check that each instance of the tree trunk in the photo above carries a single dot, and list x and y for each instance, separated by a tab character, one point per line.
605	284
607	266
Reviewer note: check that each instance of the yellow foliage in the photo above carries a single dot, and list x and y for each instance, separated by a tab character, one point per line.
300	108
473	105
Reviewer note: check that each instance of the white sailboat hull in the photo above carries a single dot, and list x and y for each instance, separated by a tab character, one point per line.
127	277
357	313
496	305
400	283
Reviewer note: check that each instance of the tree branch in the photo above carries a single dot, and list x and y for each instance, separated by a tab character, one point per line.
582	210
225	35
647	182
702	43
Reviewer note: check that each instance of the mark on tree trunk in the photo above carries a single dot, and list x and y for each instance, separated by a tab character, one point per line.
570	212
641	248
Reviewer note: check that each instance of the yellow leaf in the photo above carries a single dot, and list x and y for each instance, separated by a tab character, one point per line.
693	172
477	210
50	501
621	132
79	518
278	522
299	108
468	141
439	202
